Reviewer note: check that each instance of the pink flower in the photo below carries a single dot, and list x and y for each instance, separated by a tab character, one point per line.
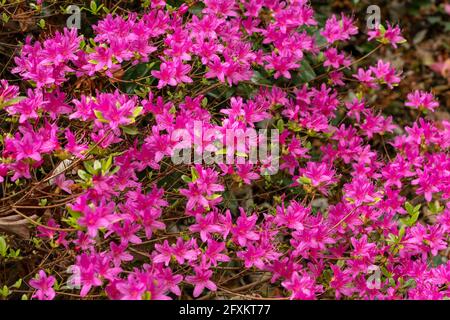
390	35
385	73
334	59
205	226
72	146
7	92
213	252
252	256
201	280
242	232
164	253
171	73
362	248
302	287
131	289
170	280
365	77
293	217
340	282
281	64
44	286
360	191
320	175
339	29
422	100
64	184
245	172
185	250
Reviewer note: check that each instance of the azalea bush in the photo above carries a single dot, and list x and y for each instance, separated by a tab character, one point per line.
353	206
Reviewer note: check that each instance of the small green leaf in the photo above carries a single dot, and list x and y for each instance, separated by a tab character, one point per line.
132	131
137	111
107	164
3	247
99	116
280	125
17	284
221	151
214	196
11	102
97	165
5	291
42	24
5	17
89	167
241	154
194	174
186	179
401	232
306	72
83	175
304	180
93	6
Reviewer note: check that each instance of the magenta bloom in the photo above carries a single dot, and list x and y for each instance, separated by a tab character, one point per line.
390	35
201	280
243	231
44	286
422	100
302	287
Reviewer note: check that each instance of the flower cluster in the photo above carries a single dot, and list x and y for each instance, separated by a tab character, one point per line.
351	196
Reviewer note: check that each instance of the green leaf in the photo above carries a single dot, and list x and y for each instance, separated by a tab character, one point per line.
241	154
413	212
280	125
138	71
17	284
130	130
11	102
185	178
401	233
5	17
304	180
214	196
259	78
3	247
147	295
194	174
5	291
137	111
42	24
221	151
93	6
107	164
83	175
409	283
306	72
97	165
99	116
89	167
114	170
409	208
204	102
435	207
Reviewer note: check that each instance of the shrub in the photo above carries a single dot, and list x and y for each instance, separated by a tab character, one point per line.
357	209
